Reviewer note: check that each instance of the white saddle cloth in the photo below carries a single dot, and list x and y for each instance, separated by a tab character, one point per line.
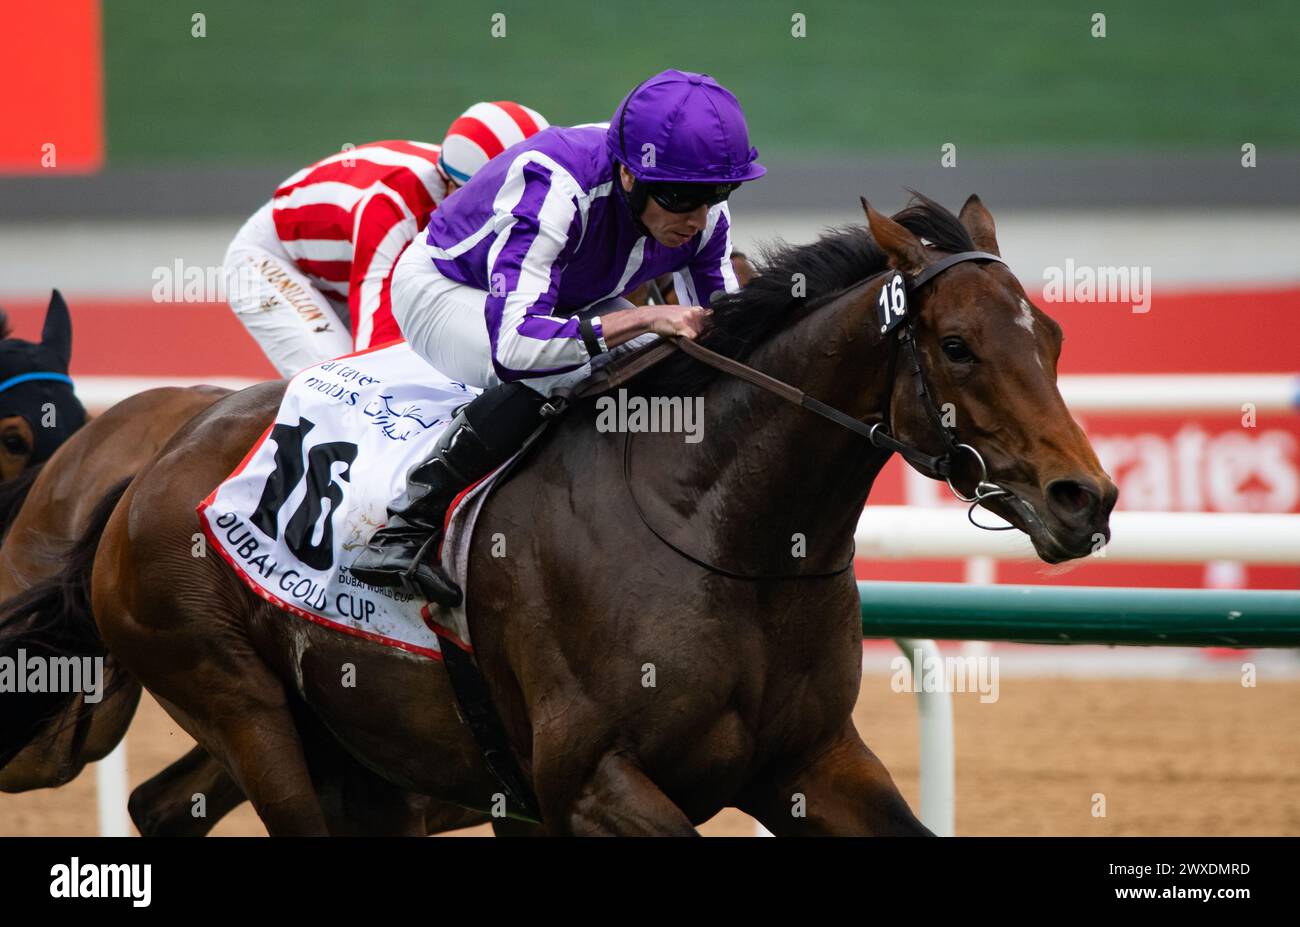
295	514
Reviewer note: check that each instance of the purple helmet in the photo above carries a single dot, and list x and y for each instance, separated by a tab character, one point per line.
682	127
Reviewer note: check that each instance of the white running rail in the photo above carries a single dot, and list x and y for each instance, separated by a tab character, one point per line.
1109	394
906	532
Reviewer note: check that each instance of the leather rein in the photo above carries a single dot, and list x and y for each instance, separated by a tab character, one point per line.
935	466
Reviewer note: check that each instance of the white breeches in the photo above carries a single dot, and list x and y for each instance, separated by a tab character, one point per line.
445	323
295	324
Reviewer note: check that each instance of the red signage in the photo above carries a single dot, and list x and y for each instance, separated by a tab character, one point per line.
53	99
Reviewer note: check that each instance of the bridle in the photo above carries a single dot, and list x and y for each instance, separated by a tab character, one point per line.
936	466
939	467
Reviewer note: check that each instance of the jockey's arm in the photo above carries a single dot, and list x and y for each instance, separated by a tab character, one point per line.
667	321
526	334
711	269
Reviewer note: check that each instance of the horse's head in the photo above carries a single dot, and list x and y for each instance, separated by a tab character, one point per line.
989	355
38	408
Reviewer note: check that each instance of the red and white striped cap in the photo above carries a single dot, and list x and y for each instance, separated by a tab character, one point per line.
484	131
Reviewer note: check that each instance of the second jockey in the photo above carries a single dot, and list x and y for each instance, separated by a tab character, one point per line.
517	287
309	274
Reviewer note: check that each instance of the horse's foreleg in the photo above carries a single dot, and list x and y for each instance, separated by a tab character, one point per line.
844	791
168	805
617	800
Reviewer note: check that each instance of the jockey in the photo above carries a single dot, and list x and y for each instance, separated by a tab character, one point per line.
309	275
517	287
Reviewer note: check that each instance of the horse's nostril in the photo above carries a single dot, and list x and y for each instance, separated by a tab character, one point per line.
1072	500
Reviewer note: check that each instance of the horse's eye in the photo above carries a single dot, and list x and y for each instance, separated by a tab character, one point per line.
956	351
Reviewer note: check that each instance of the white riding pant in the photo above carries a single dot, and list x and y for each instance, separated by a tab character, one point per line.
295	324
445	322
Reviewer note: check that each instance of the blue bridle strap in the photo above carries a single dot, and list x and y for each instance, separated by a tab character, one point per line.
29	377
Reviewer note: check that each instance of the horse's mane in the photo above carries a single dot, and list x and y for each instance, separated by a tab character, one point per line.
939	228
840	259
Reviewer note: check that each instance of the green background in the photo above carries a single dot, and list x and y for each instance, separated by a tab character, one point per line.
278	80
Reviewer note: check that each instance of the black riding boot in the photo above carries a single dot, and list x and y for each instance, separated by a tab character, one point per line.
483	435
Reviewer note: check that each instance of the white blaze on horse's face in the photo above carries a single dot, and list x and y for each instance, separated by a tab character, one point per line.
1026	321
1026	318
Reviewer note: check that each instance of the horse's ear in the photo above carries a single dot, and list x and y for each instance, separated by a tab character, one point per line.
743	267
57	331
905	251
979	222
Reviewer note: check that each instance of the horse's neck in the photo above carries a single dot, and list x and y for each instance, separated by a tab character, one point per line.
773	472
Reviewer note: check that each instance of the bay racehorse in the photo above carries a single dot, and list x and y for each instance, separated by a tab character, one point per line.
46	742
47	738
47	499
653	644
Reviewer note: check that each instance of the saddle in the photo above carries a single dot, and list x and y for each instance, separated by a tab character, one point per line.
473	701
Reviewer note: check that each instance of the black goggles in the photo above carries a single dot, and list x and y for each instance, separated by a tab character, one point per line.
688	197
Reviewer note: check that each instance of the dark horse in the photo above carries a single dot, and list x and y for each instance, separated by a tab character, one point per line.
39	411
38	408
642	690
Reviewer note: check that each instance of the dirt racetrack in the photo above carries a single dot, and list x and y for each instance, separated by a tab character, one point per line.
1170	757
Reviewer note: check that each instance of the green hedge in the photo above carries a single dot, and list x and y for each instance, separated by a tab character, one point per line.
277	79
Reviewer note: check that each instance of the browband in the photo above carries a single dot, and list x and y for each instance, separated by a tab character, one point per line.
938	267
30	377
